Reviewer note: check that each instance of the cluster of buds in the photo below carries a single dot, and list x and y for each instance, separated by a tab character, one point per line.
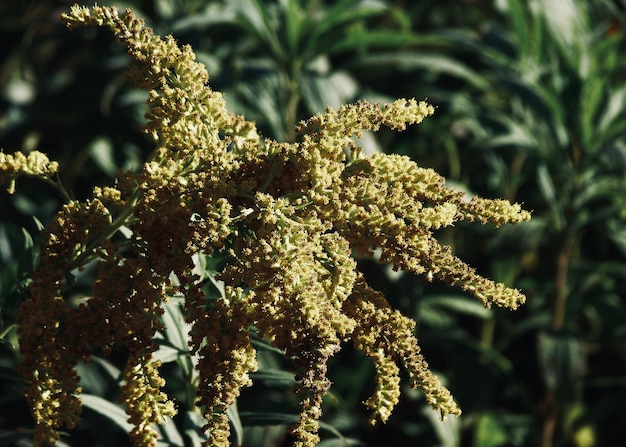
288	217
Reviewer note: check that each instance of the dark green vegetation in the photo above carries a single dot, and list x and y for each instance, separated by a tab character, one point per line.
530	108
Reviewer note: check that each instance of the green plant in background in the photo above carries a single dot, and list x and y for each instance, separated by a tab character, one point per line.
538	96
280	58
278	222
565	81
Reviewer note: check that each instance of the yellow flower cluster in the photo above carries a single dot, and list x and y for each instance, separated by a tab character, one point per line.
34	164
289	216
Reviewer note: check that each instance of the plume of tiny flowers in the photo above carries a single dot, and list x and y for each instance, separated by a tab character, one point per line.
386	336
145	403
48	343
35	164
290	217
222	340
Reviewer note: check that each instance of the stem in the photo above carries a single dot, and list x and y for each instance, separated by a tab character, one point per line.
560	283
558	322
291	118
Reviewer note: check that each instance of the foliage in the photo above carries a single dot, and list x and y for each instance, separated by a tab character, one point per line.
567	129
537	95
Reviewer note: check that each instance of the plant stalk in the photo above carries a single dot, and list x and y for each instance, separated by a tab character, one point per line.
558	322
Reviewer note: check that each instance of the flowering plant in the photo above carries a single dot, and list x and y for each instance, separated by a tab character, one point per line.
288	218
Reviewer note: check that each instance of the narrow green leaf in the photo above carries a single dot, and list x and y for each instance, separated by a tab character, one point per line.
613	110
193	424
519	17
567	23
169	434
438	63
363	38
592	96
166	352
176	328
253	418
109	368
599	187
109	410
516	134
294	26
214	14
265	346
434	315
249	418
101	152
340	442
254	17
561	359
548	191
274	377
348	11
448	431
458	303
235	422
321	91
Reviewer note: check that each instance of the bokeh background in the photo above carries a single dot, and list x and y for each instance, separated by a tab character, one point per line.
530	99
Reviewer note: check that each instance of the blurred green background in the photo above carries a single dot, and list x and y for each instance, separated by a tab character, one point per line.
530	99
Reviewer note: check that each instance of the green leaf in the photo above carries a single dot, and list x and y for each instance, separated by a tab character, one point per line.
456	303
169	434
263	419
107	409
176	328
265	346
548	191
295	27
437	63
490	432
235	422
448	431
254	17
321	91
614	110
361	38
112	371
340	442
14	242
262	99
274	377
213	15
515	134
519	17
165	8
101	152
592	94
193	424
562	361
166	352
567	24
326	34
